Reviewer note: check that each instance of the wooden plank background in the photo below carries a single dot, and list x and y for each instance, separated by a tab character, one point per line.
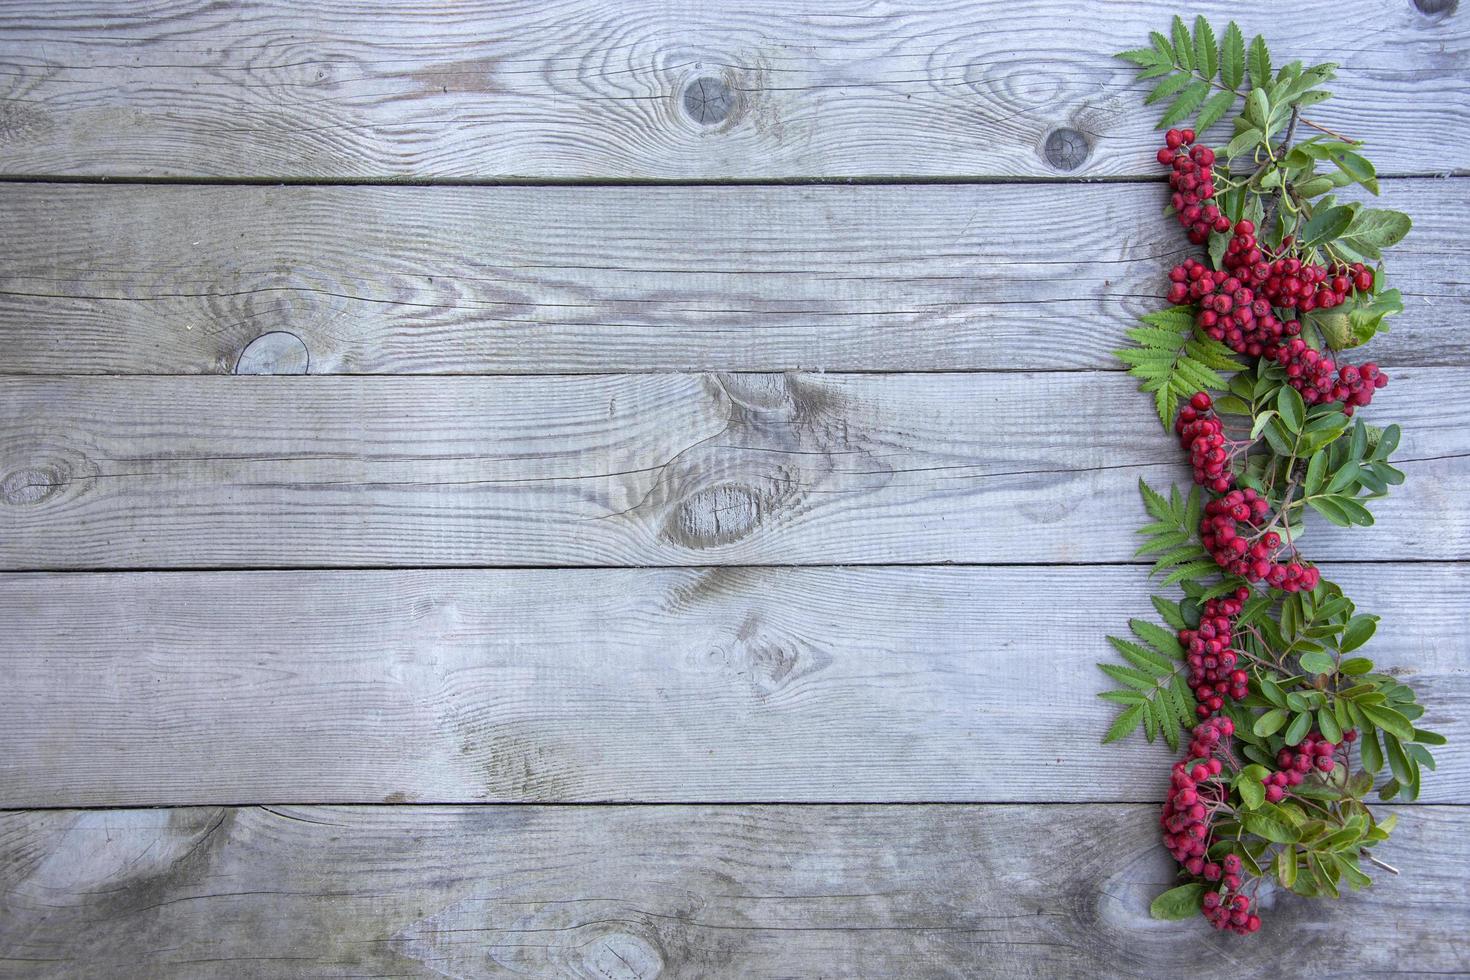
694	578
905	892
716	684
687	89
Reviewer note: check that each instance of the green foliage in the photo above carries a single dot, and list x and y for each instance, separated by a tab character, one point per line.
1303	651
1154	694
1171	535
1191	65
1173	359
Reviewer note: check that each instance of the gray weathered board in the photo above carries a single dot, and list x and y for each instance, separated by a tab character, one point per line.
690	89
278	636
631	893
531	280
792	684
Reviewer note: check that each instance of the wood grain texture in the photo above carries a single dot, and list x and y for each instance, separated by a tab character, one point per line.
186	280
635	893
684	89
636	470
713	685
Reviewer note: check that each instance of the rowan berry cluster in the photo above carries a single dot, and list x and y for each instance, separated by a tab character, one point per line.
1201	432
1197	793
1193	181
1236	532
1252	305
1320	380
1255	653
1213	671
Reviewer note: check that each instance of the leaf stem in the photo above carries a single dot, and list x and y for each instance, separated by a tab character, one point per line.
1386	867
1323	129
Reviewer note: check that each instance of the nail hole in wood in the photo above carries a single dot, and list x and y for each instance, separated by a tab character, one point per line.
1437	8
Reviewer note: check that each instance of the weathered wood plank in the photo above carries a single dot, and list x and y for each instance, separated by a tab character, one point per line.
737	684
635	470
642	892
164	280
715	89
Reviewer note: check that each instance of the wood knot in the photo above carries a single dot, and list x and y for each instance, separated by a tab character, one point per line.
708	100
716	515
32	485
620	956
277	352
1066	149
1436	8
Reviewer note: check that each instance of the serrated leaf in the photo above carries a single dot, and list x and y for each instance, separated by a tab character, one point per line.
1142	657
1206	55
1157	637
1125	723
1169	612
1259	62
1189	100
1168	87
1214	110
1137	679
1232	56
1183	44
1143	57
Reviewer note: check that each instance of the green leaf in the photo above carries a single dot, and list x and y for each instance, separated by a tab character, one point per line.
1369	750
1355	166
1183	44
1316	663
1274	830
1327	224
1360	630
1355	666
1214	110
1143	57
1270	722
1252	793
1157	637
1388	719
1290	407
1232	57
1328	508
1169	612
1206	56
1178	903
1286	866
1141	657
1168	87
1126	722
1374	229
1297	730
1328	725
1188	101
1260	63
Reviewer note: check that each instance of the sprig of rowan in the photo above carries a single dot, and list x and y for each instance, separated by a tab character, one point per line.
1288	727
